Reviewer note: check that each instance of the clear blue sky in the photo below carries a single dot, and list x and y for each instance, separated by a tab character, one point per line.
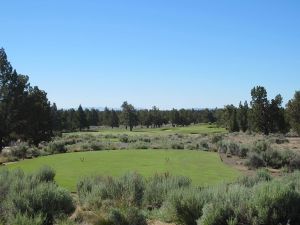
166	53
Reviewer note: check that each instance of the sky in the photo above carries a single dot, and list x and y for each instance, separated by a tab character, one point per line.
167	53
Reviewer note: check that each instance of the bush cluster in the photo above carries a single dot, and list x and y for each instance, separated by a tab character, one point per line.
263	155
249	200
33	198
231	148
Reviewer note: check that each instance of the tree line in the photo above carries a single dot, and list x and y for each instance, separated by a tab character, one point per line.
262	115
128	116
26	113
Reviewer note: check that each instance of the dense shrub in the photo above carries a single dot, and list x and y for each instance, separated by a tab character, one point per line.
188	204
294	163
126	190
204	145
129	216
250	200
20	150
262	175
225	206
216	138
177	146
231	148
273	158
261	146
158	187
96	146
281	141
145	139
269	203
140	145
23	219
45	174
275	203
25	197
124	138
255	161
56	147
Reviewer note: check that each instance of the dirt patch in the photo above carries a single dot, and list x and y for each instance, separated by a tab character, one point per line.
237	163
293	144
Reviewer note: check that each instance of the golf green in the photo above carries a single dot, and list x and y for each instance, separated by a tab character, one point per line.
202	167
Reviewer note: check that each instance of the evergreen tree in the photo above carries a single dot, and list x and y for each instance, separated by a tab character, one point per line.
18	103
93	118
243	116
175	117
106	117
81	118
260	110
277	116
157	117
38	124
114	119
129	115
231	118
56	118
293	112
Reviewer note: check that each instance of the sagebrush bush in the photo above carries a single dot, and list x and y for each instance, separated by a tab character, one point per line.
124	138
250	200
126	190
45	174
294	163
255	161
188	205
23	219
273	158
262	175
158	186
260	146
96	146
275	203
56	147
216	138
20	151
225	205
231	148
24	197
128	216
177	146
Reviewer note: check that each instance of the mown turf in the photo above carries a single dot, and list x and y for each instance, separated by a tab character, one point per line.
192	129
202	167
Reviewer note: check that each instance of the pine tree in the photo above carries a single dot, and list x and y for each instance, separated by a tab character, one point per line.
230	118
129	115
293	111
81	118
114	119
260	110
243	116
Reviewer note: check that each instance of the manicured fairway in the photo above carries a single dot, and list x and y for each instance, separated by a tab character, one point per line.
202	167
192	129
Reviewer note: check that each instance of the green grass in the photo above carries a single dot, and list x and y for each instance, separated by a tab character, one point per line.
192	129
202	167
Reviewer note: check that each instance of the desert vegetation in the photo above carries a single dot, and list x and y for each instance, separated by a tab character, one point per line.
134	199
33	198
131	166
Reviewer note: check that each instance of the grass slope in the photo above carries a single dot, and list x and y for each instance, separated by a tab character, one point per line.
192	129
202	167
